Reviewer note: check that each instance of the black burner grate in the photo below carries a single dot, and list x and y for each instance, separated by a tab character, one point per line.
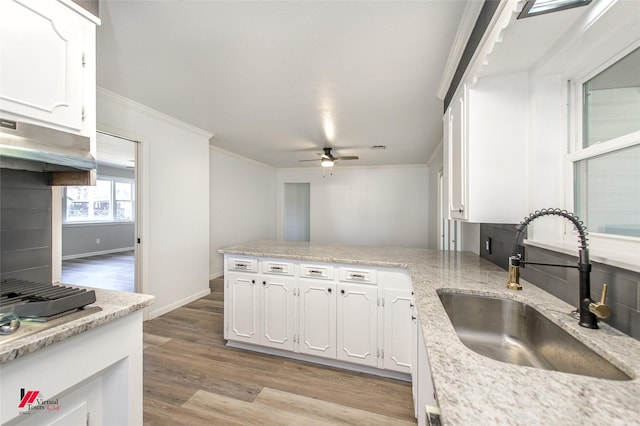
29	299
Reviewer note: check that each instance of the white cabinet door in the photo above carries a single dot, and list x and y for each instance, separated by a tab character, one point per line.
278	312
317	324
42	61
485	141
358	324
243	303
426	391
455	129
398	336
414	359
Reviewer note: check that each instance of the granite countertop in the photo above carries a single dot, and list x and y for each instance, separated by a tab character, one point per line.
472	389
113	304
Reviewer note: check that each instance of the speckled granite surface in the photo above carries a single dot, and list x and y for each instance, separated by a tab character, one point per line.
114	304
473	389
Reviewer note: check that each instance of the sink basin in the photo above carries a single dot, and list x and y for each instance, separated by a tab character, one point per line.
514	332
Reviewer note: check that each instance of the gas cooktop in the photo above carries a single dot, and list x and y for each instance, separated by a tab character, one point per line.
27	299
27	307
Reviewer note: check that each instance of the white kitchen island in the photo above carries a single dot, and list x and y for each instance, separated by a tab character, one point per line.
87	371
472	389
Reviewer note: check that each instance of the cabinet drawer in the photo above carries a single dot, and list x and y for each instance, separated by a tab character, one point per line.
359	275
323	272
246	264
277	267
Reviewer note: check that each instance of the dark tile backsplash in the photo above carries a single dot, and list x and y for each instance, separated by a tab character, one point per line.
25	226
623	294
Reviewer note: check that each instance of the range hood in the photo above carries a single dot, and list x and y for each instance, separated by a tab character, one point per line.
67	156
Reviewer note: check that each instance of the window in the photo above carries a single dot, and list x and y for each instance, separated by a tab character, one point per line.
539	7
606	163
111	200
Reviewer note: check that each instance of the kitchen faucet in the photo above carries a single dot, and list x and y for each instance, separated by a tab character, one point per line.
588	309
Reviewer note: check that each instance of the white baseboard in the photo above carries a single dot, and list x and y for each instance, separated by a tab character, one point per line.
215	275
175	305
322	361
97	253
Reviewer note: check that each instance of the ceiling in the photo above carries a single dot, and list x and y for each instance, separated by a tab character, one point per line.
278	81
116	152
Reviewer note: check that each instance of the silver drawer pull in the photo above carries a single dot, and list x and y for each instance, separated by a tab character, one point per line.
357	277
275	268
315	272
241	266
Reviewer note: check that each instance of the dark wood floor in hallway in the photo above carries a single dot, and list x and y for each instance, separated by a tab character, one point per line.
192	378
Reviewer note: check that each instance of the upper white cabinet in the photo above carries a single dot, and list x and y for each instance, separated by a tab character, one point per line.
485	150
456	155
47	64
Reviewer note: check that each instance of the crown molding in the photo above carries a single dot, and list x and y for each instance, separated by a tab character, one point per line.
467	23
238	156
106	94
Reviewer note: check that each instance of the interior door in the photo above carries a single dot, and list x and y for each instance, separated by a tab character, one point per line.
297	221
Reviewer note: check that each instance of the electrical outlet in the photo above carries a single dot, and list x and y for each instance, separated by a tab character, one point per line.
97	240
487	245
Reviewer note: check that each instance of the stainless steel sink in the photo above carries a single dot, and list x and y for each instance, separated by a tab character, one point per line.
514	332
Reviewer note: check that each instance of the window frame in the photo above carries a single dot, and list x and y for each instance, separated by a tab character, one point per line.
112	220
610	246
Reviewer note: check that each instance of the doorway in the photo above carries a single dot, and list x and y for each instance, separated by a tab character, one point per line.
297	212
99	224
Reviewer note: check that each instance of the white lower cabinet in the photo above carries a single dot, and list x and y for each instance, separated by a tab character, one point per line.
345	316
317	319
357	336
243	309
358	315
277	303
424	395
398	329
261	310
349	314
93	378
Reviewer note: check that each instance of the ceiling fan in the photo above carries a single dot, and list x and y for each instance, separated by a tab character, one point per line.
327	159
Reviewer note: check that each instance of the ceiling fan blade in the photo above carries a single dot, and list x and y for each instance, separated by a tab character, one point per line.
316	159
347	157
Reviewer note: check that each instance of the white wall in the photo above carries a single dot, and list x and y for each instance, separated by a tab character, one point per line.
386	206
243	205
174	197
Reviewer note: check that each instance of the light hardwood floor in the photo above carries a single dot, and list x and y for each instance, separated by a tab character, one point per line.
114	271
192	378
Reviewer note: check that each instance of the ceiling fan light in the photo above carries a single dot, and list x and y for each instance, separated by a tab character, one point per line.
326	162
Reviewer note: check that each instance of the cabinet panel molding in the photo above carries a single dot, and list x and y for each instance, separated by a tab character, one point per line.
46	54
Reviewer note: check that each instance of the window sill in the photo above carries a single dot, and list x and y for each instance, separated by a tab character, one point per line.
99	223
629	262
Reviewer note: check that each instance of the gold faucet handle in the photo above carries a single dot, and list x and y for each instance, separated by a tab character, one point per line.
599	309
514	278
